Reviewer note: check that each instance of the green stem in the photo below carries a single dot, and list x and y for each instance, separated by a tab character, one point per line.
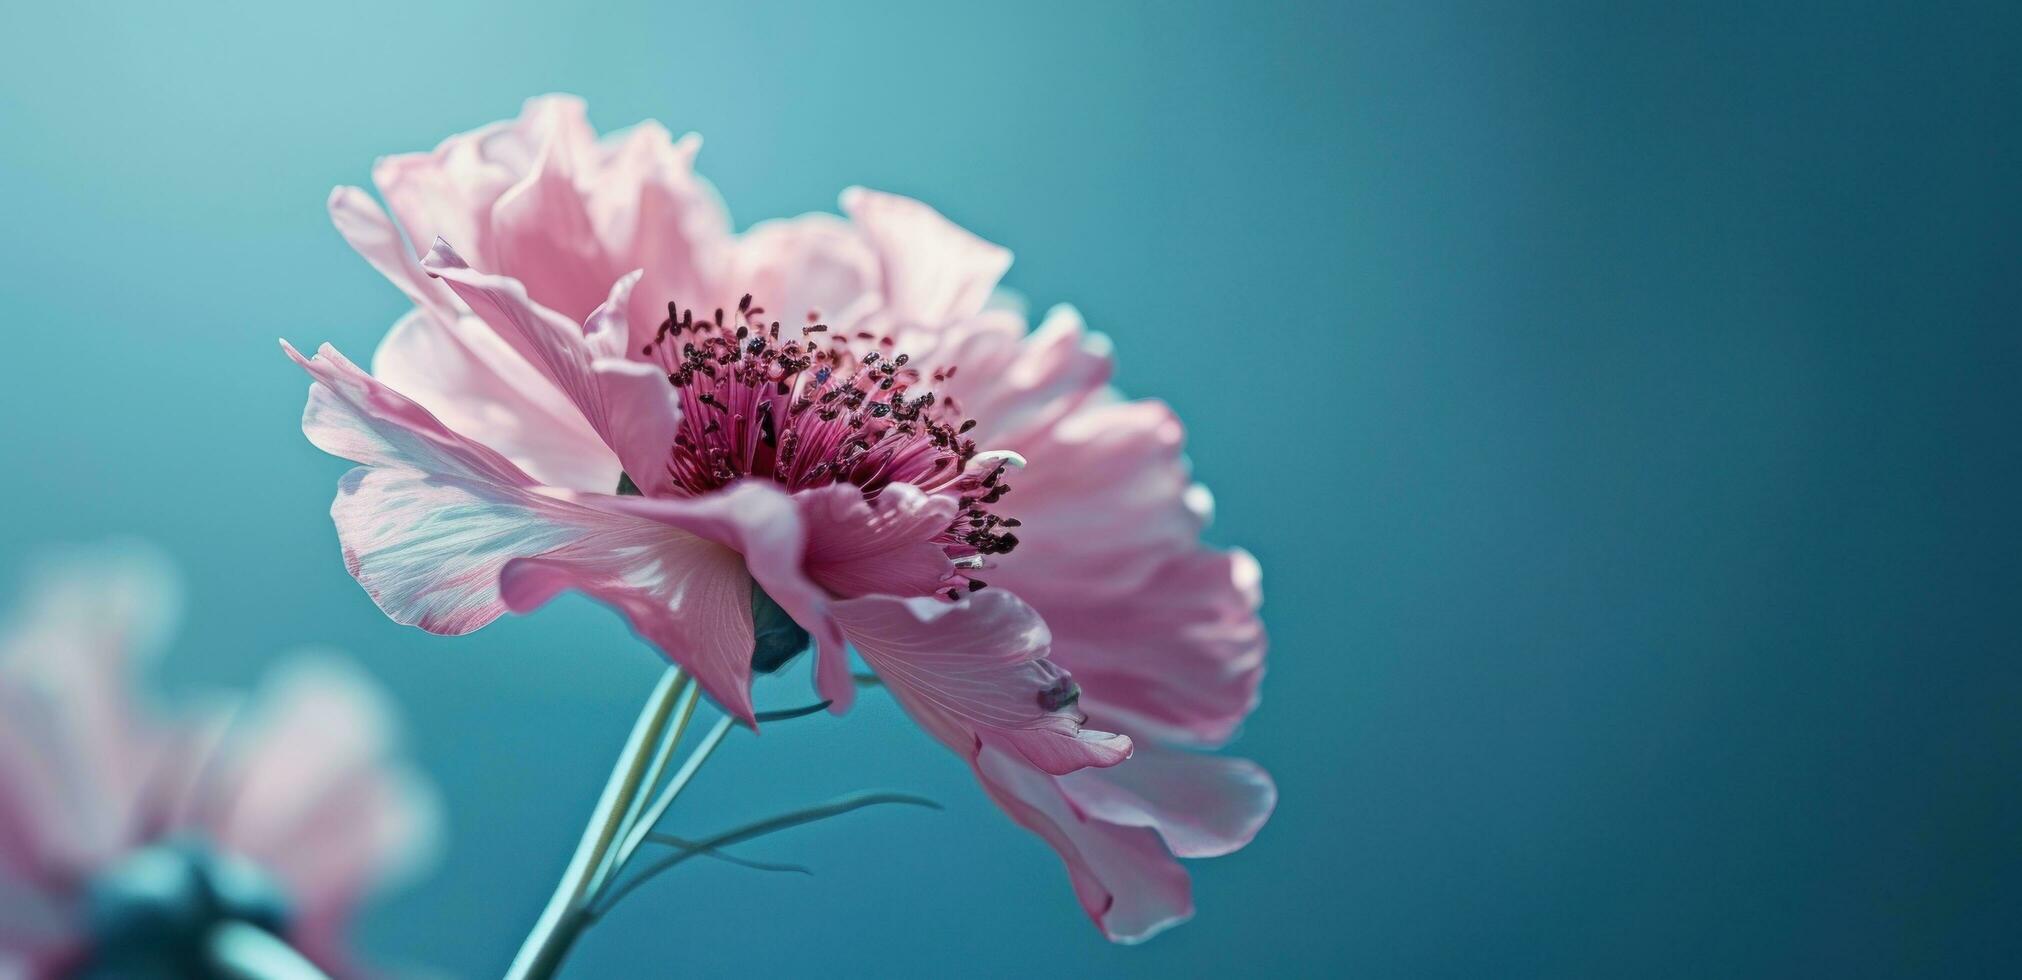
566	914
635	834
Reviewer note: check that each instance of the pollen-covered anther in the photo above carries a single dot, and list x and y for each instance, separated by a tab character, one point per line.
805	409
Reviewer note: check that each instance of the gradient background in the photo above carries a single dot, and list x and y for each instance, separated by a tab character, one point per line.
1622	405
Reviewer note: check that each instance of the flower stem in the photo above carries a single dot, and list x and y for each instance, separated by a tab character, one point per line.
567	912
247	952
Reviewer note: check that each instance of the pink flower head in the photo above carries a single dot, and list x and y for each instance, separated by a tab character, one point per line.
127	835
819	422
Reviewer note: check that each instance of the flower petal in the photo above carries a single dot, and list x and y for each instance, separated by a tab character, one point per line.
429	522
312	792
449	192
813	264
1203	805
1180	659
649	207
467	377
687	596
373	236
1104	492
855	548
935	272
1018	386
757	521
352	415
974	673
1161	632
74	747
541	230
429	549
1123	876
628	403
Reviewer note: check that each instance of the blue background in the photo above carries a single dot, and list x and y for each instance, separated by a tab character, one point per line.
1622	405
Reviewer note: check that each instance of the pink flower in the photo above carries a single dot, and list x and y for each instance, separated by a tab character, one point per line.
127	835
583	398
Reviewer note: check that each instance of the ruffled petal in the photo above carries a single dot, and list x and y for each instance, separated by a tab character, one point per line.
935	272
1017	386
374	237
1180	659
815	264
434	526
465	376
975	673
352	415
858	548
429	549
1202	805
649	207
541	199
1105	493
428	524
542	234
449	192
628	403
757	521
1123	876
1160	631
687	596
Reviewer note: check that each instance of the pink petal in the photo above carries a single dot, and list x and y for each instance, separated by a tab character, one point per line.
1105	494
816	263
313	793
449	192
935	272
1018	386
1123	876
372	235
431	520
687	596
651	209
629	403
1180	659
429	549
34	923
541	199
350	414
433	530
974	673
757	521
467	377
855	548
1202	805
74	745
1162	633
541	231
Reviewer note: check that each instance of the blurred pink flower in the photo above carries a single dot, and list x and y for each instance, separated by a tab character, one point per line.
846	444
130	832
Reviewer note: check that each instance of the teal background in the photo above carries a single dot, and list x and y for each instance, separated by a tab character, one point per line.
1621	402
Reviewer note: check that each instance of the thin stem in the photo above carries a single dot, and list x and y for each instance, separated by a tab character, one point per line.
651	818
757	828
247	952
564	918
787	714
726	857
684	710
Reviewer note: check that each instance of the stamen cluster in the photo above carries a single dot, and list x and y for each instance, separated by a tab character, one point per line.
807	411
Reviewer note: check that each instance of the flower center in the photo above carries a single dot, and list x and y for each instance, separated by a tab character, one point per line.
152	913
810	410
